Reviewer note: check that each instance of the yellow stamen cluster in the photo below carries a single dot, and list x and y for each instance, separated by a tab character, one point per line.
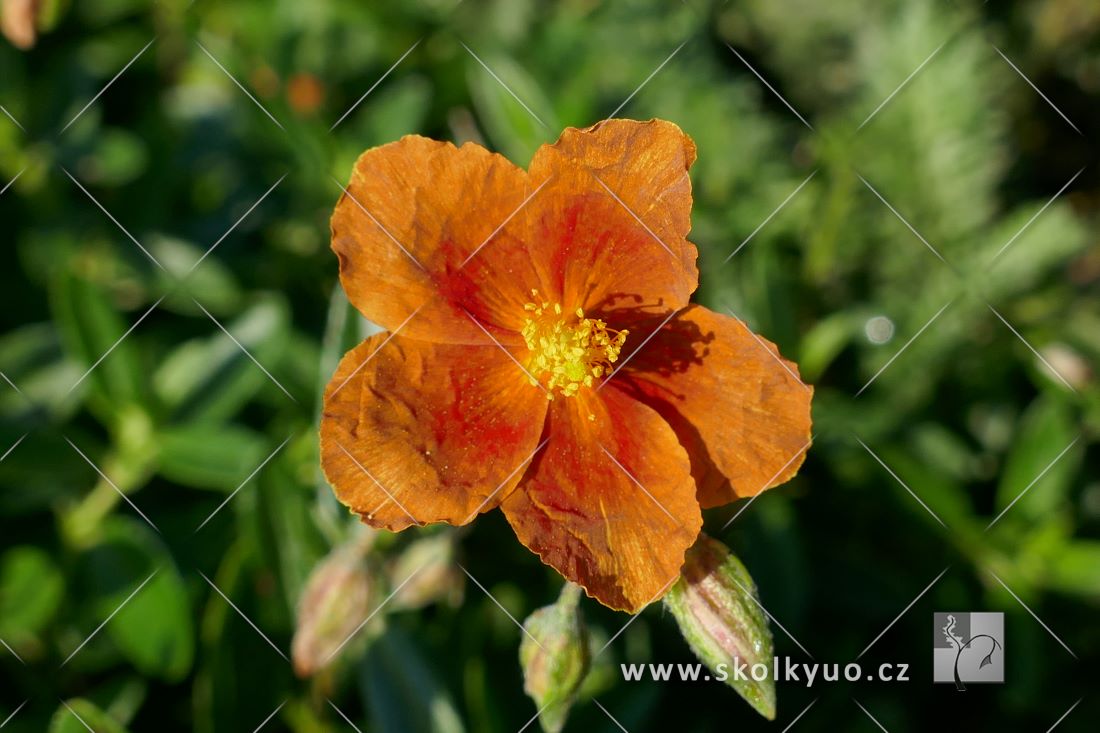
568	352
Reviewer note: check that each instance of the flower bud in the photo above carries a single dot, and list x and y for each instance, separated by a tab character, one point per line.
555	657
21	21
425	572
334	603
715	605
17	19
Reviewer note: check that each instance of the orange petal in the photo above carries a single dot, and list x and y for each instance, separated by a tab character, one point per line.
737	406
414	212
621	529
414	432
618	209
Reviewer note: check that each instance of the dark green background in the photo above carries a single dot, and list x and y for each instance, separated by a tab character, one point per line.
177	416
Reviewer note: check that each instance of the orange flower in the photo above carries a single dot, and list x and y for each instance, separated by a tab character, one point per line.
542	355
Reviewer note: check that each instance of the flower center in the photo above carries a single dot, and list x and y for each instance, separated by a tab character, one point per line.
568	351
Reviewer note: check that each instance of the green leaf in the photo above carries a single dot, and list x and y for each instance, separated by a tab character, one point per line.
1076	569
279	520
943	495
209	456
401	690
209	282
152	629
31	357
397	108
824	342
1045	431
90	327
512	128
31	587
212	378
78	715
117	158
38	472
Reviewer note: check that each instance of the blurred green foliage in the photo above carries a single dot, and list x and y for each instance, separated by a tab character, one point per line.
163	362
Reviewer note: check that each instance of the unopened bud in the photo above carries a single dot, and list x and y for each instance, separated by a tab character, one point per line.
425	572
1067	364
555	657
334	603
17	19
715	604
22	20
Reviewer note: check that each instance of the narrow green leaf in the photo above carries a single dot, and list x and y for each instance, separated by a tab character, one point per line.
511	125
79	715
824	342
209	282
153	629
90	327
212	378
31	587
209	456
32	358
1076	569
1033	471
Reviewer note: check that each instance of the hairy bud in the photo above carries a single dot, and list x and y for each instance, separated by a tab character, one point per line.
555	657
334	603
715	604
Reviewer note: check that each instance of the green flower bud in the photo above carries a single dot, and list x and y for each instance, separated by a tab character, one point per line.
22	20
334	603
555	656
715	605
